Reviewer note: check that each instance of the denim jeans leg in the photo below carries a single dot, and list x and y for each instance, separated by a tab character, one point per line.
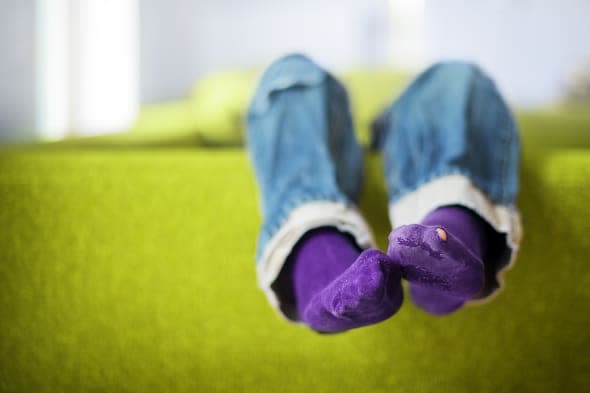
450	139
307	162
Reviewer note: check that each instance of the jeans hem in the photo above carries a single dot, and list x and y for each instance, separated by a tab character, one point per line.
456	189
345	217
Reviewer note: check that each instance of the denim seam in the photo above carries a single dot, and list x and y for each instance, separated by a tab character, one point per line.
505	167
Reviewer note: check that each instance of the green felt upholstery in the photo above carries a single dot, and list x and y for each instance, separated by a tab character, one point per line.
126	264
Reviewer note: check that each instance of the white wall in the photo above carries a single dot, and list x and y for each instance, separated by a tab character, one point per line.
17	70
529	46
181	40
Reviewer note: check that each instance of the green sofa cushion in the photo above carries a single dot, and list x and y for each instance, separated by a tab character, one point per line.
132	269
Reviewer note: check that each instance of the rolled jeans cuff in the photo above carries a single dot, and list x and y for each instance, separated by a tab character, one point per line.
458	189
344	217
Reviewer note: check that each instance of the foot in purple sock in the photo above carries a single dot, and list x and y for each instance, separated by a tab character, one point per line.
369	291
442	258
335	287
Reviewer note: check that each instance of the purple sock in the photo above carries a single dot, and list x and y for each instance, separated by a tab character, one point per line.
442	258
337	287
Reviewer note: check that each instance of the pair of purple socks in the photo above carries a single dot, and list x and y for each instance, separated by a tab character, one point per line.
336	286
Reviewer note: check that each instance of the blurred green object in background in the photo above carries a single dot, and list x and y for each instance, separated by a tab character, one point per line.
214	114
219	102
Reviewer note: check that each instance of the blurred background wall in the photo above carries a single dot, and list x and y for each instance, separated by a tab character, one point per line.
531	47
181	40
17	69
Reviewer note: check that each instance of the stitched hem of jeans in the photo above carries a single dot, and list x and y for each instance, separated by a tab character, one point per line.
459	190
281	216
495	196
345	217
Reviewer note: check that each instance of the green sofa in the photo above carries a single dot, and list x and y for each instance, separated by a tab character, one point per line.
126	265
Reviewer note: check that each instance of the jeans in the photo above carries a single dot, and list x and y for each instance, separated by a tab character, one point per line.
449	139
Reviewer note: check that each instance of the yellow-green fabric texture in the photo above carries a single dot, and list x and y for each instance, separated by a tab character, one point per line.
127	265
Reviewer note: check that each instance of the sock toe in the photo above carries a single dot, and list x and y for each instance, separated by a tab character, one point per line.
368	292
432	257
